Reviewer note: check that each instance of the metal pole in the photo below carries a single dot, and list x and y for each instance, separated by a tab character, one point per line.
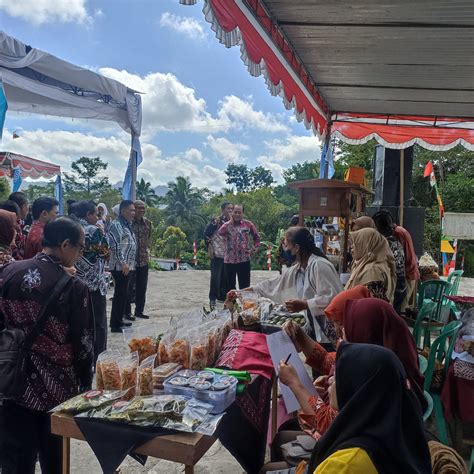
402	185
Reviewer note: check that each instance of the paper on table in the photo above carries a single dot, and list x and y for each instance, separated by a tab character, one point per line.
280	345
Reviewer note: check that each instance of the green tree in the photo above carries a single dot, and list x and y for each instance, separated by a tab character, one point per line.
173	243
86	182
146	193
5	189
183	207
301	171
247	179
35	191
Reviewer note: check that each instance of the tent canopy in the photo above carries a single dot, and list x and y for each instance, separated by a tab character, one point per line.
38	82
401	72
30	167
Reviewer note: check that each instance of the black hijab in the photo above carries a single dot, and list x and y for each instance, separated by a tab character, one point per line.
377	412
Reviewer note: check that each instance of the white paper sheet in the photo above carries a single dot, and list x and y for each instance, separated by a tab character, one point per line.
280	345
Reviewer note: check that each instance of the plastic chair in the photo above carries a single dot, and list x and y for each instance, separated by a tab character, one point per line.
433	291
454	279
441	350
423	321
429	408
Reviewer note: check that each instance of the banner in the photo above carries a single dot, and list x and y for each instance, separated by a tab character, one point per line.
429	171
17	179
3	107
58	194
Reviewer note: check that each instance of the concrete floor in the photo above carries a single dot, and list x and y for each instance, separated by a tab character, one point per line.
170	294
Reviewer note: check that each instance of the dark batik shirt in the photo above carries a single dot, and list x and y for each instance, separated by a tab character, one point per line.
142	230
60	362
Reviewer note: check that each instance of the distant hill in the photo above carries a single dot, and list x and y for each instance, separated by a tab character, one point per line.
161	190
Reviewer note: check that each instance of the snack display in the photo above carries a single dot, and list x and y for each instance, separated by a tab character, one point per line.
279	320
145	347
88	400
111	374
101	359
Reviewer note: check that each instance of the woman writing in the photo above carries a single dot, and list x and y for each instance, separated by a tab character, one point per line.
366	320
307	286
373	261
379	427
59	363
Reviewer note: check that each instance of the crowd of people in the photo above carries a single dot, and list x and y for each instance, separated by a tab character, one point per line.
368	414
72	253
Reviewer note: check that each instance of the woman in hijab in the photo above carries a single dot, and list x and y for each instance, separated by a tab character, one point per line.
367	320
379	426
8	226
373	261
104	217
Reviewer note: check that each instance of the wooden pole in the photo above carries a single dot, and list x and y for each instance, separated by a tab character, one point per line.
402	185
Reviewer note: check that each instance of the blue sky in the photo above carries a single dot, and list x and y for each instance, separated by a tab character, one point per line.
202	110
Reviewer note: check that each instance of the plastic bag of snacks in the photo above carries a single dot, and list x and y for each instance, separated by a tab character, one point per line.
103	357
145	376
140	340
249	299
129	374
178	349
198	342
89	400
164	347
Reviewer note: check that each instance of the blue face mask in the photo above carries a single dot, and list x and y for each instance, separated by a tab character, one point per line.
288	256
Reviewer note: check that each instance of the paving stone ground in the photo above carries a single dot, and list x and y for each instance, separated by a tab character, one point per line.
170	294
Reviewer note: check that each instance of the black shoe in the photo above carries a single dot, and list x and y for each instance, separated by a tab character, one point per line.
130	317
142	316
116	330
125	324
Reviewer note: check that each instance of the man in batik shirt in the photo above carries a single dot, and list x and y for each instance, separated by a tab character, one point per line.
215	245
238	234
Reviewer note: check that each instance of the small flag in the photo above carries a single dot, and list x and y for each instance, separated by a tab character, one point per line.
446	247
3	107
428	169
17	179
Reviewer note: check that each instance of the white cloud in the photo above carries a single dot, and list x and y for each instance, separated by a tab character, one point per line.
62	147
227	150
168	105
186	25
285	153
242	114
47	11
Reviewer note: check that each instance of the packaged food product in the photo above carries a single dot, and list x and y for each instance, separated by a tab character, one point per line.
141	339
179	381
162	372
145	376
129	374
179	352
103	356
88	400
111	374
164	347
198	343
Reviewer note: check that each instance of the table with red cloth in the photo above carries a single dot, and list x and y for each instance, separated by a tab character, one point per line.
458	392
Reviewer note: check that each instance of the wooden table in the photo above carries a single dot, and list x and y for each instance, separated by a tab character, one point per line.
183	448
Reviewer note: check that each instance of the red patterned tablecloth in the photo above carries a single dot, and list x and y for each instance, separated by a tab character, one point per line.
458	392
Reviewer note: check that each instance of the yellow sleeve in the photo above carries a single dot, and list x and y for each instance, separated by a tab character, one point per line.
347	461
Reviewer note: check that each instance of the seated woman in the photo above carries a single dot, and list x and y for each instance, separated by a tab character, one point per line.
308	286
370	321
373	261
379	427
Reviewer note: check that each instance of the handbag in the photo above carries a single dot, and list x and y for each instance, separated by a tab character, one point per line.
15	346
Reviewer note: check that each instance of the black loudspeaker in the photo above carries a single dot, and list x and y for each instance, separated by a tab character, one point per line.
386	166
413	221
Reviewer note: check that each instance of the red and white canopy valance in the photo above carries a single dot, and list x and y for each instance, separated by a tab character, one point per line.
30	167
266	50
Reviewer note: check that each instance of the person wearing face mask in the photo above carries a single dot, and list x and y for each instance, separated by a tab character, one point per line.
90	268
58	364
307	286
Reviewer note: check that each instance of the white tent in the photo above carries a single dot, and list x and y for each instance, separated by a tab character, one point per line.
37	82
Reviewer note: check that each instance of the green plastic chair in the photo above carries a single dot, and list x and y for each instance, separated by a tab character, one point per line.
429	408
441	350
434	291
454	279
424	322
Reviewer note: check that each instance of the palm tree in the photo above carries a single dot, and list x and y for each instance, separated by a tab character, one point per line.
183	204
146	193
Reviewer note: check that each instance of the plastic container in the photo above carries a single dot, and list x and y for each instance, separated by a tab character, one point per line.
219	399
